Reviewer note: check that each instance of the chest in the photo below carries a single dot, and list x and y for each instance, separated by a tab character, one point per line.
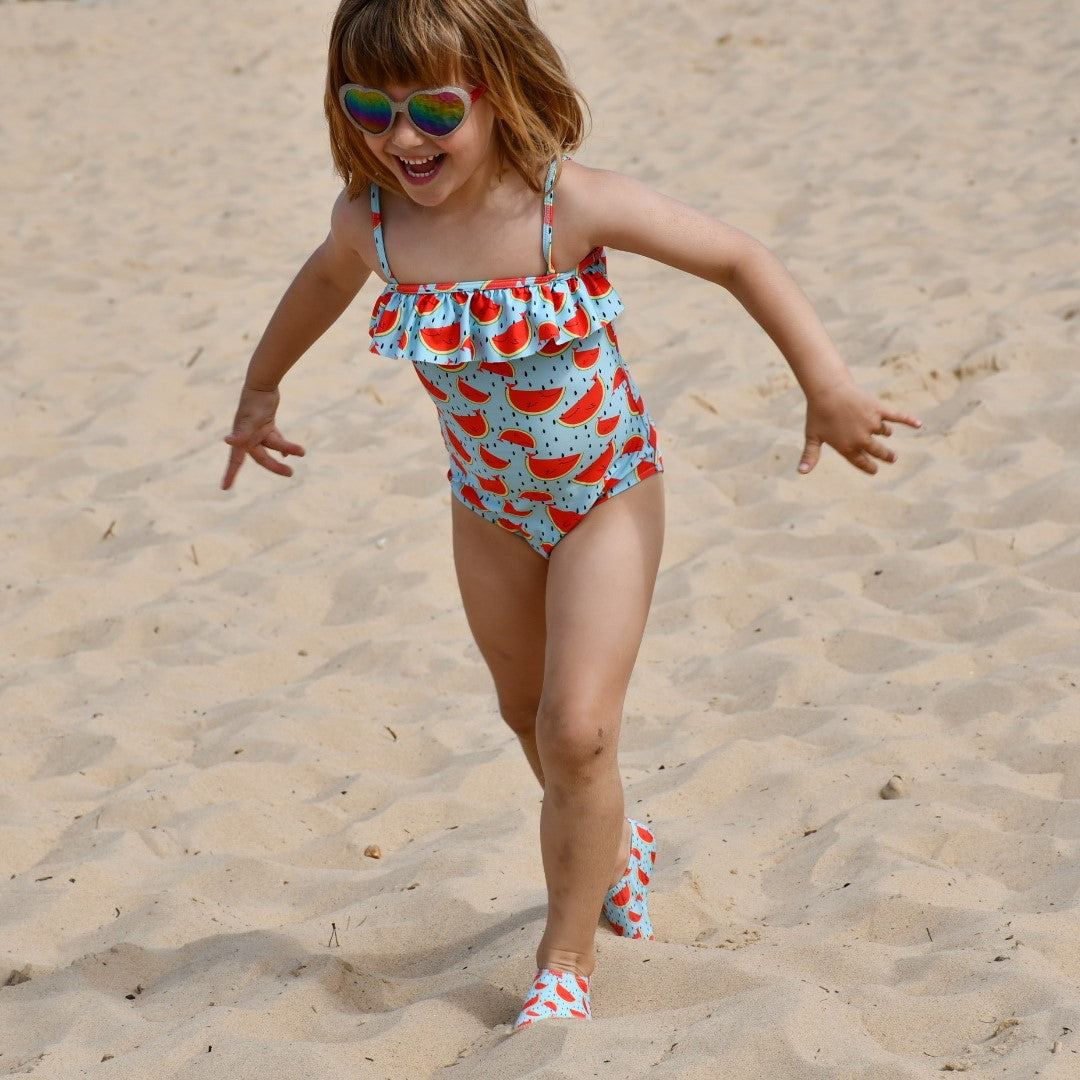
506	243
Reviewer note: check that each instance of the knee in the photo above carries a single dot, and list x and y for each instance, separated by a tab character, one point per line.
519	716
575	743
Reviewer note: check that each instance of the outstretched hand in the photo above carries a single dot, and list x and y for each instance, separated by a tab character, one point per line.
851	422
255	432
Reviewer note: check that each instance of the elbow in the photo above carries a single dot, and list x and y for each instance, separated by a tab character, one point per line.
749	264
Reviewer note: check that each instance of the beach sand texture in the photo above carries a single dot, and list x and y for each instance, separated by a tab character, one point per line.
212	704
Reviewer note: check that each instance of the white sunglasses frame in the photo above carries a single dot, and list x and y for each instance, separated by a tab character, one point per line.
467	98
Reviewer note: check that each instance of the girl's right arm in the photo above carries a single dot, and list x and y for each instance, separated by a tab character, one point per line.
320	292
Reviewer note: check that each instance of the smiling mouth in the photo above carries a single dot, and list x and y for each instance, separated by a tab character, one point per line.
421	168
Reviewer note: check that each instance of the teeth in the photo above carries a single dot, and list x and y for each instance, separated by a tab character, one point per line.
418	168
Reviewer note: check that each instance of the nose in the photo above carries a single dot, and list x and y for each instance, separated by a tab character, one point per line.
403	133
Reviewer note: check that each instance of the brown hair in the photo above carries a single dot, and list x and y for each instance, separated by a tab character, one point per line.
539	114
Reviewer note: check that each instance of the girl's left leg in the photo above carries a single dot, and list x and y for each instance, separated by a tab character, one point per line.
599	587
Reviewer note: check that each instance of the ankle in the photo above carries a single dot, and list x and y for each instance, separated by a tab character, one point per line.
566	960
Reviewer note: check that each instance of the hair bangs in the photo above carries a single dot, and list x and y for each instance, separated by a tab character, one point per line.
404	44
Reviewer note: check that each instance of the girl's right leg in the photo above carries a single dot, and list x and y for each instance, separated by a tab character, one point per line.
503	584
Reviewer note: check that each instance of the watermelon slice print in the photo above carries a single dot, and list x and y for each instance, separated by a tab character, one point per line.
514	339
474	425
471	393
518	438
442	340
596	285
485	310
579	324
552	468
534	402
456	443
498	367
472	497
563	520
388	322
606	425
595	472
556	298
514	527
492	461
510	508
587	406
496	485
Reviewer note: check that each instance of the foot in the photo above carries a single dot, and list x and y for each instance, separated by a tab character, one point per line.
626	906
555	995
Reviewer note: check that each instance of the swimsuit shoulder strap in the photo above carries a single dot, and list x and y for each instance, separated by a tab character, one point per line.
380	243
549	213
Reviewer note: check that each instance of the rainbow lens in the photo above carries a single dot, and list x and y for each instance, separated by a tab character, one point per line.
368	108
436	113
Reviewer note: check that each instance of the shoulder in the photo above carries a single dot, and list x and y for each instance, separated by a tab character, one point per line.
351	228
609	209
576	180
594	200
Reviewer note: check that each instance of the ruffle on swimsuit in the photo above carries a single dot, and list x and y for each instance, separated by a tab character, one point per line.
454	322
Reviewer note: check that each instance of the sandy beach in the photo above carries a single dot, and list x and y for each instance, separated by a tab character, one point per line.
214	703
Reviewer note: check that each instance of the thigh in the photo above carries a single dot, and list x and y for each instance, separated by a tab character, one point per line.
502	582
599	588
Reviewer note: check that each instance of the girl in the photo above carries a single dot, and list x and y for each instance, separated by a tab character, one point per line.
451	123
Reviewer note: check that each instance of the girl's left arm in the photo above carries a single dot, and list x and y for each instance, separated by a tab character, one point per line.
615	211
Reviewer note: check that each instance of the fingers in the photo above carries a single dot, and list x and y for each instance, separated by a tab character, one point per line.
863	457
863	461
276	441
242	446
236	459
853	423
899	418
882	453
259	455
810	456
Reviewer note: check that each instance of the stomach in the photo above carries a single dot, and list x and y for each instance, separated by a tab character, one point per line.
564	430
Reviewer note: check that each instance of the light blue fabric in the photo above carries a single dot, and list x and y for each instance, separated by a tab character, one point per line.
539	414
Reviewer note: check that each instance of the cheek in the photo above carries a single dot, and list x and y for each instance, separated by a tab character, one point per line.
374	143
484	117
478	133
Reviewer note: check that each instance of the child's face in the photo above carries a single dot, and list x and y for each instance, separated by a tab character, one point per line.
432	170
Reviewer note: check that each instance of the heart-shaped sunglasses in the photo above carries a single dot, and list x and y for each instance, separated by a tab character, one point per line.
435	113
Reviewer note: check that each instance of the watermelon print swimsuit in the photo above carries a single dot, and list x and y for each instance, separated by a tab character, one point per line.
540	415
